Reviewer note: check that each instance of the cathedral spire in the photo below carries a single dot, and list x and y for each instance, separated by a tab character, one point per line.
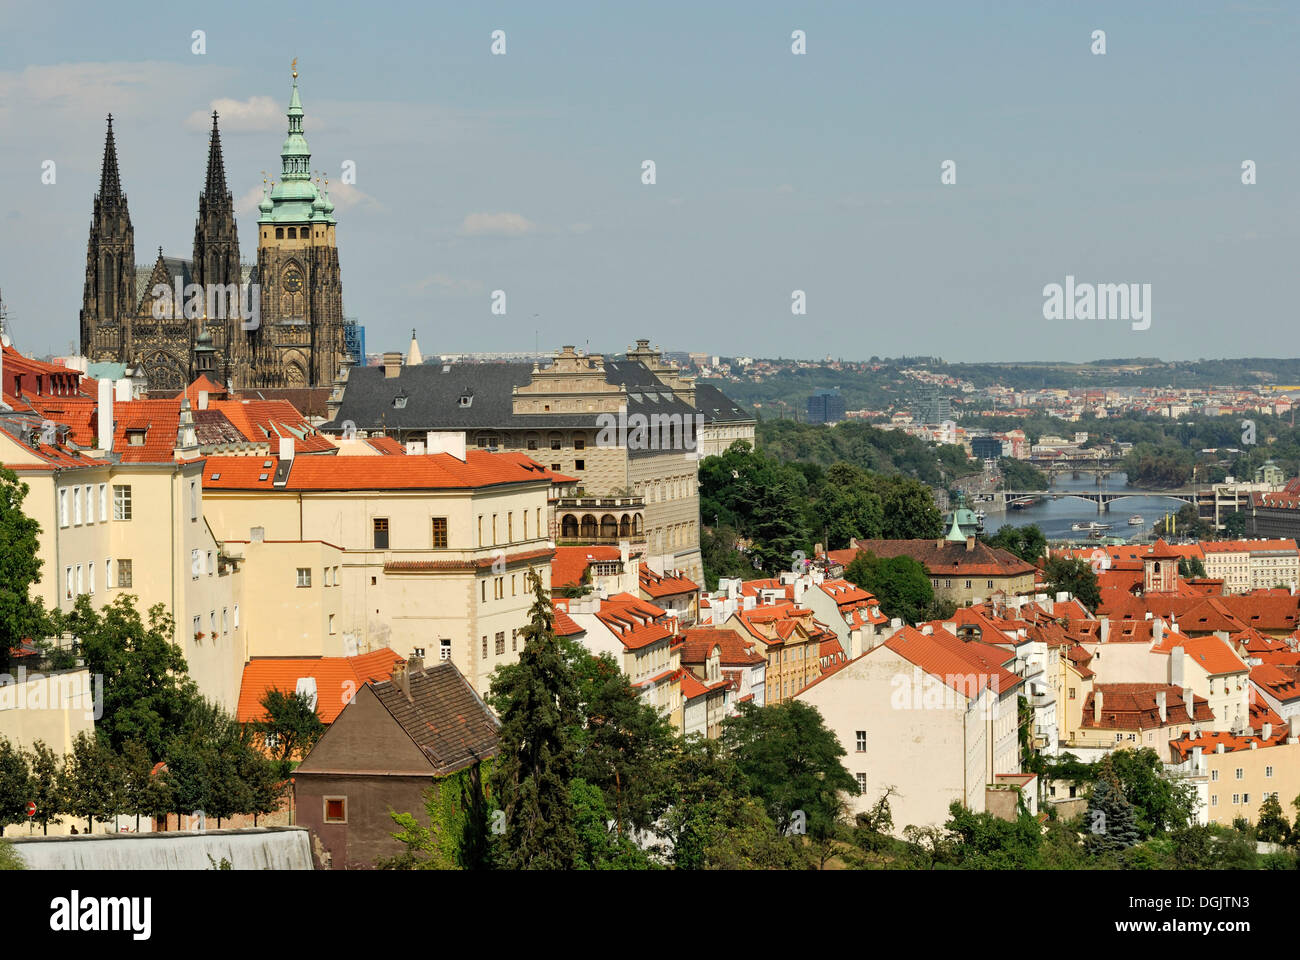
110	183
216	180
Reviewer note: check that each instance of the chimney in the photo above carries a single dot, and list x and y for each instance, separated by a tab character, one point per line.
1176	666
1267	732
1218	748
122	389
1161	704
1103	633
402	678
414	664
448	441
1157	630
1096	706
105	415
1189	702
392	365
203	399
970	544
1254	744
286	447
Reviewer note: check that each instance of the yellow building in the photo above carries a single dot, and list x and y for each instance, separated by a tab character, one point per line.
427	554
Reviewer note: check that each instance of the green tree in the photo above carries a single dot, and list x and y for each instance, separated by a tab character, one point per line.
900	584
710	822
1027	542
456	835
791	763
1111	820
1076	577
987	842
621	745
600	845
289	727
535	760
1191	567
146	691
93	782
22	615
45	784
9	859
140	790
1272	825
1160	802
15	788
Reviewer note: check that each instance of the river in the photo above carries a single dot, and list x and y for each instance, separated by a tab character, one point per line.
1054	517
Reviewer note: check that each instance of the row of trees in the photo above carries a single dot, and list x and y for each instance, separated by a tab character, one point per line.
774	510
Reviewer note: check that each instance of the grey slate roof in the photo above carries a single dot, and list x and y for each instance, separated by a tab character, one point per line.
433	392
717	407
445	718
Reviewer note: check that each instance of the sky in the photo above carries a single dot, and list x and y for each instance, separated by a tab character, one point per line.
775	172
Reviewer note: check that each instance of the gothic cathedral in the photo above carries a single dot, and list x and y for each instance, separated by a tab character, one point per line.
276	324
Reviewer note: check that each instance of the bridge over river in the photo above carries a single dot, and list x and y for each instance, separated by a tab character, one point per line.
1102	498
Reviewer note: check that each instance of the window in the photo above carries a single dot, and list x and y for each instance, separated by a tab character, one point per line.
304	576
336	575
444	649
1239	773
579	443
67	583
194	501
121	502
103	502
514	640
556	441
1214	800
439	533
513	583
579	464
483	591
990	584
381	533
212	622
510	527
225	619
236	616
331	623
90	504
197	627
1214	775
862	783
196	564
124	573
325	581
81	583
1072	693
480	529
212	566
1119	737
76	505
485	647
500	643
108	573
336	808
1245	798
555	468
967	584
948	584
1268	771
862	741
63	507
90	576
494	529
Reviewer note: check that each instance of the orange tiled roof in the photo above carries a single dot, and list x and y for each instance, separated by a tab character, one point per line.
337	679
1209	653
1133	706
665	585
571	562
424	472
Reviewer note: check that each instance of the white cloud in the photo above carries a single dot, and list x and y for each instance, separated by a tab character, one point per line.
496	225
256	114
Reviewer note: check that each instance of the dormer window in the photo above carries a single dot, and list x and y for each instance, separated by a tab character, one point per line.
466	399
135	438
399	401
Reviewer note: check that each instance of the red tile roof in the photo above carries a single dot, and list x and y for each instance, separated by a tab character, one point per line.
1133	706
337	680
735	649
424	472
966	666
1280	683
571	562
665	585
1209	653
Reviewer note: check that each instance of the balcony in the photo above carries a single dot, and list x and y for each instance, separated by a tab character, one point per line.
599	503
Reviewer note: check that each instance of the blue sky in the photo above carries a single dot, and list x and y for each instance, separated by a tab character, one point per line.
775	172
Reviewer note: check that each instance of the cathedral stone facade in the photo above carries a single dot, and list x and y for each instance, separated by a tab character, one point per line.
276	324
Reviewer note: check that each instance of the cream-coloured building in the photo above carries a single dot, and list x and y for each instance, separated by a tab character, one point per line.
629	431
1237	773
111	528
427	554
1252	564
931	717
